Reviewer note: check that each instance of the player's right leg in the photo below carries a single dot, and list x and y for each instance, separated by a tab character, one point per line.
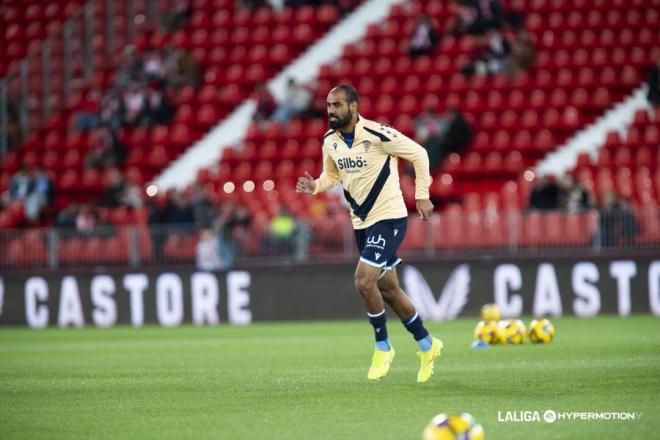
366	282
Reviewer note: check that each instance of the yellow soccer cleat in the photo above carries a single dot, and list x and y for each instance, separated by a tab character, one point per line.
380	364
427	359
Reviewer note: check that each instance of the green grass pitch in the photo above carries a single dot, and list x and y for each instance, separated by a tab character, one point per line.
308	381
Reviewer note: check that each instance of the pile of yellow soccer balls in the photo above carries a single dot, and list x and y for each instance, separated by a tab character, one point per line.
491	330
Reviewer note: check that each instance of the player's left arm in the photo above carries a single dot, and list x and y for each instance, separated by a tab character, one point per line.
402	146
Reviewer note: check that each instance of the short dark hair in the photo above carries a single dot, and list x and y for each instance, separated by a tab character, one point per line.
351	93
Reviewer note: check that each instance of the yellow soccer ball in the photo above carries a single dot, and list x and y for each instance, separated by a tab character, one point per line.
490	312
511	332
486	331
541	331
453	427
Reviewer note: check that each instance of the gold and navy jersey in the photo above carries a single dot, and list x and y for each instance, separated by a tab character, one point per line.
368	171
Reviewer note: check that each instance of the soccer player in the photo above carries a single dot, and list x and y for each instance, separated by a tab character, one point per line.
362	155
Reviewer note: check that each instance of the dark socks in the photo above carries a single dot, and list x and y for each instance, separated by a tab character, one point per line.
416	327
378	322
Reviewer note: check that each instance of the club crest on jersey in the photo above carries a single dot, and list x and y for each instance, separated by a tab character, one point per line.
367	145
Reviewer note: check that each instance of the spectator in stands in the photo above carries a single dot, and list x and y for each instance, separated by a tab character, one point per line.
66	218
41	194
34	189
107	151
178	16
424	38
490	15
13	119
490	56
629	224
112	196
265	103
132	195
207	251
86	221
464	21
181	68
133	103
523	53
459	132
232	218
20	185
297	100
282	232
178	211
153	66
546	195
654	83
233	223
130	67
576	196
157	109
110	110
204	211
497	51
86	116
617	223
476	17
441	135
13	125
430	129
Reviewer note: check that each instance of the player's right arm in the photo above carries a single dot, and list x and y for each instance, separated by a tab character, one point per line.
328	178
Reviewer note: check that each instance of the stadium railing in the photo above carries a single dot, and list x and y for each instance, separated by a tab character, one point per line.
449	234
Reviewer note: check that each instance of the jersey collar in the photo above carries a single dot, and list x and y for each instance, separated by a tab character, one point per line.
359	128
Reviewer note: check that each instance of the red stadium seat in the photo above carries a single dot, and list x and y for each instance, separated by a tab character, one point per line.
158	156
651	136
207	115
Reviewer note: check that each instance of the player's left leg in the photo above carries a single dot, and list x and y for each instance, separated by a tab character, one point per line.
394	296
429	346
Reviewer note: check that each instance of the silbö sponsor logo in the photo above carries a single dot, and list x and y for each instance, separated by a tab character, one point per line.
348	163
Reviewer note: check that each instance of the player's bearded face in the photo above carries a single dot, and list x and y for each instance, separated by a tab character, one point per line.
337	120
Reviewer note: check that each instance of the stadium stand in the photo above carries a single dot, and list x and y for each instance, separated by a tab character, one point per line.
235	48
580	71
589	55
628	167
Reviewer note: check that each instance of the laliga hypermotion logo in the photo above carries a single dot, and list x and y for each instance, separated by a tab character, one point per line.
452	299
552	416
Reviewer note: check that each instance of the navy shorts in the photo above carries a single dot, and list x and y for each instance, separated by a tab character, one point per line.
379	242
